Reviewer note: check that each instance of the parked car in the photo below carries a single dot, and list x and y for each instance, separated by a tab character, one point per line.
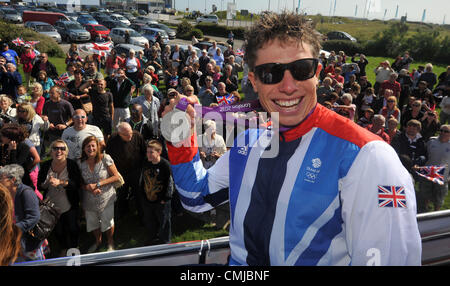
150	34
118	36
114	24
208	19
47	17
72	31
172	34
45	29
72	16
144	20
138	27
128	15
10	15
97	29
118	17
339	35
86	19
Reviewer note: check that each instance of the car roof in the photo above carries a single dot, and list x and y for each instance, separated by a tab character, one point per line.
38	23
153	29
122	28
130	46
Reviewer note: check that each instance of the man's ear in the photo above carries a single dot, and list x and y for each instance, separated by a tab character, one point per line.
252	79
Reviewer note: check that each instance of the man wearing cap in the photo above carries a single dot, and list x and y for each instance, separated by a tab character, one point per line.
10	55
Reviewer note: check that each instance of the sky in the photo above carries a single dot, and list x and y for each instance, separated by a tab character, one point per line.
437	11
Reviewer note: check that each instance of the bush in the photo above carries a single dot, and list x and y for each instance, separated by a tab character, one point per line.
184	29
349	47
220	31
9	32
197	33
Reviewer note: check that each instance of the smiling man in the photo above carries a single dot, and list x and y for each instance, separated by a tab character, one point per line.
335	194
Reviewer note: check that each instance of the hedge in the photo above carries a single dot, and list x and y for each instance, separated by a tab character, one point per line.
9	32
221	31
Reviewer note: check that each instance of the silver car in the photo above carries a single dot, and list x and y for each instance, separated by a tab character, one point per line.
45	29
208	19
10	15
150	34
118	36
72	31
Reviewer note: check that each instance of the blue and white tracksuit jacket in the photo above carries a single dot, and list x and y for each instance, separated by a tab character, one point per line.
318	202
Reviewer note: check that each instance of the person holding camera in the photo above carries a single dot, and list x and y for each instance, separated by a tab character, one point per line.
362	63
10	80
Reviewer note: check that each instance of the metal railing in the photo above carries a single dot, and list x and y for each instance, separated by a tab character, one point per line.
434	229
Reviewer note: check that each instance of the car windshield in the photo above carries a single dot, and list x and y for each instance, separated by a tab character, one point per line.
119	17
10	11
133	33
101	28
74	27
44	28
87	17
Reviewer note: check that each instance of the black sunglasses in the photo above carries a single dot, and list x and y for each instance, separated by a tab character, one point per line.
445	131
273	73
56	148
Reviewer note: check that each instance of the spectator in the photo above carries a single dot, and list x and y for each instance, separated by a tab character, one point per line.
102	106
189	72
438	150
121	88
391	84
381	101
209	72
22	95
382	72
59	113
99	193
37	98
26	59
429	76
10	55
392	129
184	82
337	77
410	146
444	79
362	63
203	60
391	110
223	97
192	58
207	94
366	100
430	125
377	127
445	110
75	135
141	123
219	58
7	109
26	211
77	95
396	65
92	72
60	181
14	150
11	234
10	80
127	148
113	62
228	52
26	115
347	109
177	58
415	113
406	61
230	80
44	65
366	119
150	106
236	67
212	145
364	83
415	75
351	72
74	58
155	194
213	49
189	90
133	68
406	85
46	82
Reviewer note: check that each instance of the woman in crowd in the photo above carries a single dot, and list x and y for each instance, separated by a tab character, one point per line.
46	83
113	62
347	109
99	174
11	234
133	66
60	181
218	57
391	109
212	145
207	93
76	95
26	211
7	108
414	113
26	59
26	115
37	98
430	125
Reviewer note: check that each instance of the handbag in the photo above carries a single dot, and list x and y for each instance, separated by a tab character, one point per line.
49	218
87	107
120	182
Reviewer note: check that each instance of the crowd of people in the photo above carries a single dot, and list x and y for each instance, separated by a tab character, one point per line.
90	140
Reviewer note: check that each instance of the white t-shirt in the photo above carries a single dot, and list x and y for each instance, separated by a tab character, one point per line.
131	65
74	139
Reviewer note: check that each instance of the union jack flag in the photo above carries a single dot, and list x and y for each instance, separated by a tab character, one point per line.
66	95
32	43
391	196
432	173
239	52
225	99
18	42
65	77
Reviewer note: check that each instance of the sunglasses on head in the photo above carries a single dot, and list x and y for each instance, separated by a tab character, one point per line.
273	73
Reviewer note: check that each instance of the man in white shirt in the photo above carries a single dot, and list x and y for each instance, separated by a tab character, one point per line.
75	135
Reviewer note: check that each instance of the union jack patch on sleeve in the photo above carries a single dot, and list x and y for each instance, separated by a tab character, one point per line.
391	196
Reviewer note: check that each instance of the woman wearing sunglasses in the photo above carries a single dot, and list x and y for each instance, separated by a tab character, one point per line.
315	193
60	180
